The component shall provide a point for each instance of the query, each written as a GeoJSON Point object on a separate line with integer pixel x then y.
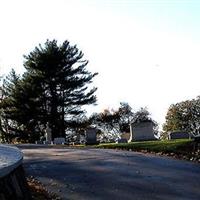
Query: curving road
{"type": "Point", "coordinates": [100, 174]}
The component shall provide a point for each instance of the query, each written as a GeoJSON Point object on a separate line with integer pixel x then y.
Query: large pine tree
{"type": "Point", "coordinates": [62, 74]}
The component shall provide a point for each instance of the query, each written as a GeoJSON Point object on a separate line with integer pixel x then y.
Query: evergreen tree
{"type": "Point", "coordinates": [20, 107]}
{"type": "Point", "coordinates": [7, 101]}
{"type": "Point", "coordinates": [62, 75]}
{"type": "Point", "coordinates": [53, 89]}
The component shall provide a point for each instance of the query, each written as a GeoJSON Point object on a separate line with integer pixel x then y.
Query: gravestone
{"type": "Point", "coordinates": [59, 140]}
{"type": "Point", "coordinates": [91, 136]}
{"type": "Point", "coordinates": [125, 136]}
{"type": "Point", "coordinates": [178, 135]}
{"type": "Point", "coordinates": [141, 131]}
{"type": "Point", "coordinates": [121, 140]}
{"type": "Point", "coordinates": [39, 142]}
{"type": "Point", "coordinates": [48, 135]}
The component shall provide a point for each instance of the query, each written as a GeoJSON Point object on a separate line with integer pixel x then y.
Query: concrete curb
{"type": "Point", "coordinates": [10, 159]}
{"type": "Point", "coordinates": [13, 185]}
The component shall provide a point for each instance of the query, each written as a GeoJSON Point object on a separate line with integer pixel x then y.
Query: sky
{"type": "Point", "coordinates": [145, 51]}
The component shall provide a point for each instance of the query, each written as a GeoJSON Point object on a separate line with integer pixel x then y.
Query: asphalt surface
{"type": "Point", "coordinates": [101, 174]}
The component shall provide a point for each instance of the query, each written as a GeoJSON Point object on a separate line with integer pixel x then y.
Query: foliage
{"type": "Point", "coordinates": [21, 107]}
{"type": "Point", "coordinates": [53, 89]}
{"type": "Point", "coordinates": [184, 116]}
{"type": "Point", "coordinates": [75, 131]}
{"type": "Point", "coordinates": [142, 115]}
{"type": "Point", "coordinates": [126, 115]}
{"type": "Point", "coordinates": [115, 122]}
{"type": "Point", "coordinates": [107, 122]}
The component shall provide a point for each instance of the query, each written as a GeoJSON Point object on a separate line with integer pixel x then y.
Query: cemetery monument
{"type": "Point", "coordinates": [178, 135]}
{"type": "Point", "coordinates": [91, 136]}
{"type": "Point", "coordinates": [48, 134]}
{"type": "Point", "coordinates": [141, 131]}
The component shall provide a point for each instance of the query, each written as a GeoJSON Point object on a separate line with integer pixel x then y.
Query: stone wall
{"type": "Point", "coordinates": [13, 185]}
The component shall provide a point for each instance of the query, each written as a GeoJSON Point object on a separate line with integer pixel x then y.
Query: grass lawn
{"type": "Point", "coordinates": [183, 148]}
{"type": "Point", "coordinates": [155, 146]}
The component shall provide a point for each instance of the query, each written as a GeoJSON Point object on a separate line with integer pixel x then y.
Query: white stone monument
{"type": "Point", "coordinates": [141, 131]}
{"type": "Point", "coordinates": [48, 134]}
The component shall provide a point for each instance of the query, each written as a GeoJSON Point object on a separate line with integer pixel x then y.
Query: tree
{"type": "Point", "coordinates": [107, 122]}
{"type": "Point", "coordinates": [76, 129]}
{"type": "Point", "coordinates": [126, 115]}
{"type": "Point", "coordinates": [142, 115]}
{"type": "Point", "coordinates": [184, 116]}
{"type": "Point", "coordinates": [113, 123]}
{"type": "Point", "coordinates": [173, 119]}
{"type": "Point", "coordinates": [53, 89]}
{"type": "Point", "coordinates": [20, 107]}
{"type": "Point", "coordinates": [7, 91]}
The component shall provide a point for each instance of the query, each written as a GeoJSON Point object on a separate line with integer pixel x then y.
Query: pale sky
{"type": "Point", "coordinates": [145, 51]}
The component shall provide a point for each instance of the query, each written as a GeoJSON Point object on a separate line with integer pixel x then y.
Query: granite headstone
{"type": "Point", "coordinates": [141, 131]}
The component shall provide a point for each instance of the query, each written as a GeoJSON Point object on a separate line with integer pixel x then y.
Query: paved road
{"type": "Point", "coordinates": [99, 174]}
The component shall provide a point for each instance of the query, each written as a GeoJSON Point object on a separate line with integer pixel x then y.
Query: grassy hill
{"type": "Point", "coordinates": [177, 148]}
